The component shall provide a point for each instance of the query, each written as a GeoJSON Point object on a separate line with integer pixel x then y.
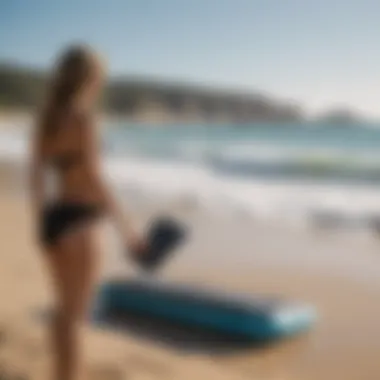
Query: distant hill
{"type": "Point", "coordinates": [144, 99]}
{"type": "Point", "coordinates": [342, 116]}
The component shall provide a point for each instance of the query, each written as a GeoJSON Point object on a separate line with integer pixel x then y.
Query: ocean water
{"type": "Point", "coordinates": [286, 172]}
{"type": "Point", "coordinates": [274, 171]}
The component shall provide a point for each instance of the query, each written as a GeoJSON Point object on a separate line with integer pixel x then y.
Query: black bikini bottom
{"type": "Point", "coordinates": [60, 217]}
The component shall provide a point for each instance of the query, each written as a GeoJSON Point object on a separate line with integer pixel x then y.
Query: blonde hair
{"type": "Point", "coordinates": [77, 66]}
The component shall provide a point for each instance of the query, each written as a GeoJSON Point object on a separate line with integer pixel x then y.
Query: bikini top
{"type": "Point", "coordinates": [69, 159]}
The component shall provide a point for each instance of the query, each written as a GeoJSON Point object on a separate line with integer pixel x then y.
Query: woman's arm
{"type": "Point", "coordinates": [92, 170]}
{"type": "Point", "coordinates": [36, 178]}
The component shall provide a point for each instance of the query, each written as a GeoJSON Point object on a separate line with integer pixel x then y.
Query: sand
{"type": "Point", "coordinates": [335, 271]}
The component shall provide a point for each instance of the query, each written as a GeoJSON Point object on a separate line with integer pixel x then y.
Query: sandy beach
{"type": "Point", "coordinates": [335, 271]}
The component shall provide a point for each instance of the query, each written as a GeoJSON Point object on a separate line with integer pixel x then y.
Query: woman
{"type": "Point", "coordinates": [67, 225]}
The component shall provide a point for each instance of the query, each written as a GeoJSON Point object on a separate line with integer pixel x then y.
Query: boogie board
{"type": "Point", "coordinates": [252, 317]}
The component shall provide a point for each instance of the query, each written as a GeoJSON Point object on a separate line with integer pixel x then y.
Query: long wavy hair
{"type": "Point", "coordinates": [76, 67]}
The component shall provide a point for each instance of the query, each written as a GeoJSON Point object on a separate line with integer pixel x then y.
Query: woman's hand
{"type": "Point", "coordinates": [136, 244]}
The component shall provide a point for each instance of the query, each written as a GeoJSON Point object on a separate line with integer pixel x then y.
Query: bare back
{"type": "Point", "coordinates": [66, 152]}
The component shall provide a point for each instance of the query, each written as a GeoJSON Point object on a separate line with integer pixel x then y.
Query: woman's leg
{"type": "Point", "coordinates": [73, 264]}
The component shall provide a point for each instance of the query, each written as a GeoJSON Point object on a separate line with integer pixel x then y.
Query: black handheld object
{"type": "Point", "coordinates": [162, 237]}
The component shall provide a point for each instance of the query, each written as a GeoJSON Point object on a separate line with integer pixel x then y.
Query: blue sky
{"type": "Point", "coordinates": [321, 53]}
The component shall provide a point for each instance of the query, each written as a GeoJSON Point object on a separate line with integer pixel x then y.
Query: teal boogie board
{"type": "Point", "coordinates": [252, 317]}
